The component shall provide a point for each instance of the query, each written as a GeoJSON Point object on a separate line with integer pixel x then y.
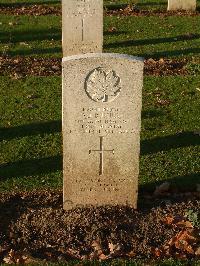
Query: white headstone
{"type": "Point", "coordinates": [102, 99]}
{"type": "Point", "coordinates": [82, 26]}
{"type": "Point", "coordinates": [189, 5]}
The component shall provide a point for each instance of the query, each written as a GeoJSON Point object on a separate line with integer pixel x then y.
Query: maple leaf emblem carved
{"type": "Point", "coordinates": [102, 85]}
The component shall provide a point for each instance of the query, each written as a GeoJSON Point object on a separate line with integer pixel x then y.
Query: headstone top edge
{"type": "Point", "coordinates": [102, 55]}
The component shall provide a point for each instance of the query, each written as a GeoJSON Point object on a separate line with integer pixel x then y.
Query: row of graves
{"type": "Point", "coordinates": [102, 100]}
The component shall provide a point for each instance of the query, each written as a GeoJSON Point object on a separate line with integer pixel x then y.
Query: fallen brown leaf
{"type": "Point", "coordinates": [182, 241]}
{"type": "Point", "coordinates": [185, 224]}
{"type": "Point", "coordinates": [14, 257]}
{"type": "Point", "coordinates": [98, 252]}
{"type": "Point", "coordinates": [131, 254]}
{"type": "Point", "coordinates": [168, 220]}
{"type": "Point", "coordinates": [197, 252]}
{"type": "Point", "coordinates": [156, 252]}
{"type": "Point", "coordinates": [112, 29]}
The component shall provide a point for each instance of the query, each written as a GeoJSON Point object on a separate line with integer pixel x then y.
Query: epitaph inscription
{"type": "Point", "coordinates": [101, 132]}
{"type": "Point", "coordinates": [82, 26]}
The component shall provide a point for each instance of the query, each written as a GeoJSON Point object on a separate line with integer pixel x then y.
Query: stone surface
{"type": "Point", "coordinates": [182, 4]}
{"type": "Point", "coordinates": [102, 98]}
{"type": "Point", "coordinates": [82, 26]}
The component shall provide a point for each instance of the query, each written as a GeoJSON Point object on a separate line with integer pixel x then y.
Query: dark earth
{"type": "Point", "coordinates": [18, 67]}
{"type": "Point", "coordinates": [33, 226]}
{"type": "Point", "coordinates": [112, 10]}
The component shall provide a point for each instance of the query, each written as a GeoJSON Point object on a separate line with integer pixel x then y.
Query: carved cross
{"type": "Point", "coordinates": [101, 152]}
{"type": "Point", "coordinates": [82, 34]}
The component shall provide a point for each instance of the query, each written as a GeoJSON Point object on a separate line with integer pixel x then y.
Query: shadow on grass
{"type": "Point", "coordinates": [36, 51]}
{"type": "Point", "coordinates": [30, 130]}
{"type": "Point", "coordinates": [184, 183]}
{"type": "Point", "coordinates": [115, 6]}
{"type": "Point", "coordinates": [23, 3]}
{"type": "Point", "coordinates": [152, 41]}
{"type": "Point", "coordinates": [31, 35]}
{"type": "Point", "coordinates": [184, 52]}
{"type": "Point", "coordinates": [31, 167]}
{"type": "Point", "coordinates": [52, 164]}
{"type": "Point", "coordinates": [153, 4]}
{"type": "Point", "coordinates": [184, 139]}
{"type": "Point", "coordinates": [114, 33]}
{"type": "Point", "coordinates": [152, 113]}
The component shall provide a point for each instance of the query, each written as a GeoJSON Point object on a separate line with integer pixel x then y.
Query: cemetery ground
{"type": "Point", "coordinates": [33, 226]}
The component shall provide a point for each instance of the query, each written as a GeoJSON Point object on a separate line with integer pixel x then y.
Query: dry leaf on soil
{"type": "Point", "coordinates": [197, 252]}
{"type": "Point", "coordinates": [168, 220]}
{"type": "Point", "coordinates": [185, 224]}
{"type": "Point", "coordinates": [182, 241]}
{"type": "Point", "coordinates": [98, 252]}
{"type": "Point", "coordinates": [14, 257]}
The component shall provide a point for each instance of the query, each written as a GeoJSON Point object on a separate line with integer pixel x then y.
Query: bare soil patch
{"type": "Point", "coordinates": [134, 11]}
{"type": "Point", "coordinates": [124, 10]}
{"type": "Point", "coordinates": [34, 226]}
{"type": "Point", "coordinates": [18, 67]}
{"type": "Point", "coordinates": [34, 10]}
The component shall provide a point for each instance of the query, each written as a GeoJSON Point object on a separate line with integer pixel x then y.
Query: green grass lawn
{"type": "Point", "coordinates": [31, 149]}
{"type": "Point", "coordinates": [121, 262]}
{"type": "Point", "coordinates": [141, 36]}
{"type": "Point", "coordinates": [29, 2]}
{"type": "Point", "coordinates": [30, 109]}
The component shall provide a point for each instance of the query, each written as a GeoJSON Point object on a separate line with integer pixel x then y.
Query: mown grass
{"type": "Point", "coordinates": [141, 36]}
{"type": "Point", "coordinates": [14, 3]}
{"type": "Point", "coordinates": [31, 144]}
{"type": "Point", "coordinates": [121, 262]}
{"type": "Point", "coordinates": [29, 35]}
{"type": "Point", "coordinates": [153, 36]}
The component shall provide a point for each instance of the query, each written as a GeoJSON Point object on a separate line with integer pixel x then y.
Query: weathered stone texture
{"type": "Point", "coordinates": [102, 98]}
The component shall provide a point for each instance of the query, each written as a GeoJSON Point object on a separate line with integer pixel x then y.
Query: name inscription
{"type": "Point", "coordinates": [103, 120]}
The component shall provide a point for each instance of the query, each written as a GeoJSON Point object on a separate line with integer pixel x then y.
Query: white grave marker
{"type": "Point", "coordinates": [82, 26]}
{"type": "Point", "coordinates": [189, 5]}
{"type": "Point", "coordinates": [102, 99]}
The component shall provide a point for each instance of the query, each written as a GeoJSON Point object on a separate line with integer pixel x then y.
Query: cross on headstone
{"type": "Point", "coordinates": [82, 29]}
{"type": "Point", "coordinates": [82, 25]}
{"type": "Point", "coordinates": [101, 152]}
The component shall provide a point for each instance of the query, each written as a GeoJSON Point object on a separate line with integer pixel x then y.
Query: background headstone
{"type": "Point", "coordinates": [82, 26]}
{"type": "Point", "coordinates": [182, 4]}
{"type": "Point", "coordinates": [102, 98]}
